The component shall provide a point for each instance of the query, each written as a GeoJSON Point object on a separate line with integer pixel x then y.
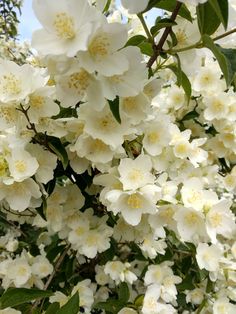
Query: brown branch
{"type": "Point", "coordinates": [56, 268]}
{"type": "Point", "coordinates": [158, 48]}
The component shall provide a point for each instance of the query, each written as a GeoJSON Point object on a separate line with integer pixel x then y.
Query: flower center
{"type": "Point", "coordinates": [64, 26]}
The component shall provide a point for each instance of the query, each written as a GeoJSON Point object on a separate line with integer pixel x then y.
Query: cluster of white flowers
{"type": "Point", "coordinates": [122, 170]}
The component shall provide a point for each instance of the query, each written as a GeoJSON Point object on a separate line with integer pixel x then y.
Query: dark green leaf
{"type": "Point", "coordinates": [208, 20]}
{"type": "Point", "coordinates": [58, 148]}
{"type": "Point", "coordinates": [114, 106]}
{"type": "Point", "coordinates": [169, 5]}
{"type": "Point", "coordinates": [146, 48]}
{"type": "Point", "coordinates": [16, 296]}
{"type": "Point", "coordinates": [182, 79]}
{"type": "Point", "coordinates": [72, 306]}
{"type": "Point", "coordinates": [162, 23]}
{"type": "Point", "coordinates": [190, 115]}
{"type": "Point", "coordinates": [53, 308]}
{"type": "Point", "coordinates": [223, 57]}
{"type": "Point", "coordinates": [107, 6]}
{"type": "Point", "coordinates": [136, 40]}
{"type": "Point", "coordinates": [113, 306]}
{"type": "Point", "coordinates": [221, 8]}
{"type": "Point", "coordinates": [123, 293]}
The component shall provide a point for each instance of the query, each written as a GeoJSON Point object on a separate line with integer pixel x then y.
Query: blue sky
{"type": "Point", "coordinates": [29, 23]}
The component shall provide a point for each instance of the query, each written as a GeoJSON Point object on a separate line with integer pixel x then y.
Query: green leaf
{"type": "Point", "coordinates": [113, 306]}
{"type": "Point", "coordinates": [53, 308]}
{"type": "Point", "coordinates": [72, 306]}
{"type": "Point", "coordinates": [162, 23]}
{"type": "Point", "coordinates": [123, 293]}
{"type": "Point", "coordinates": [146, 48]}
{"type": "Point", "coordinates": [225, 58]}
{"type": "Point", "coordinates": [114, 106]}
{"type": "Point", "coordinates": [221, 8]}
{"type": "Point", "coordinates": [182, 80]}
{"type": "Point", "coordinates": [58, 148]}
{"type": "Point", "coordinates": [169, 5]}
{"type": "Point", "coordinates": [208, 20]}
{"type": "Point", "coordinates": [136, 40]}
{"type": "Point", "coordinates": [107, 6]}
{"type": "Point", "coordinates": [190, 115]}
{"type": "Point", "coordinates": [16, 296]}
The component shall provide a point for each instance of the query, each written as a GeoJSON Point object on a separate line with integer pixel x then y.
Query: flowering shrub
{"type": "Point", "coordinates": [117, 161]}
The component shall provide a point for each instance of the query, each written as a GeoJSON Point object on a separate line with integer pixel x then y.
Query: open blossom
{"type": "Point", "coordinates": [67, 26]}
{"type": "Point", "coordinates": [102, 55]}
{"type": "Point", "coordinates": [17, 82]}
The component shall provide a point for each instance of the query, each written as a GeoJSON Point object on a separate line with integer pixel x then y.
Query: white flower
{"type": "Point", "coordinates": [135, 173]}
{"type": "Point", "coordinates": [220, 220]}
{"type": "Point", "coordinates": [41, 104]}
{"type": "Point", "coordinates": [208, 257]}
{"type": "Point", "coordinates": [17, 82]}
{"type": "Point", "coordinates": [46, 160]}
{"type": "Point", "coordinates": [127, 310]}
{"type": "Point", "coordinates": [9, 311]}
{"type": "Point", "coordinates": [75, 85]}
{"type": "Point", "coordinates": [86, 296]}
{"type": "Point", "coordinates": [156, 135]}
{"type": "Point", "coordinates": [217, 107]}
{"type": "Point", "coordinates": [94, 150]}
{"type": "Point", "coordinates": [190, 224]}
{"type": "Point", "coordinates": [19, 271]}
{"type": "Point", "coordinates": [21, 165]}
{"type": "Point", "coordinates": [195, 296]}
{"type": "Point", "coordinates": [67, 26]}
{"type": "Point", "coordinates": [19, 194]}
{"type": "Point", "coordinates": [133, 204]}
{"type": "Point", "coordinates": [103, 125]}
{"type": "Point", "coordinates": [120, 272]}
{"type": "Point", "coordinates": [134, 6]}
{"type": "Point", "coordinates": [102, 55]}
{"type": "Point", "coordinates": [223, 306]}
{"type": "Point", "coordinates": [41, 267]}
{"type": "Point", "coordinates": [131, 82]}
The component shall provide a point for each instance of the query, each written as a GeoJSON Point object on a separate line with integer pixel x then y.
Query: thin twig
{"type": "Point", "coordinates": [56, 268]}
{"type": "Point", "coordinates": [158, 48]}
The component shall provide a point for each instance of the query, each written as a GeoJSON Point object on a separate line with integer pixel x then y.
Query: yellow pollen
{"type": "Point", "coordinates": [153, 137]}
{"type": "Point", "coordinates": [99, 146]}
{"type": "Point", "coordinates": [22, 271]}
{"type": "Point", "coordinates": [135, 175]}
{"type": "Point", "coordinates": [91, 240]}
{"type": "Point", "coordinates": [181, 37]}
{"type": "Point", "coordinates": [107, 122]}
{"type": "Point", "coordinates": [134, 201]}
{"type": "Point", "coordinates": [216, 219]}
{"type": "Point", "coordinates": [64, 26]}
{"type": "Point", "coordinates": [37, 101]}
{"type": "Point", "coordinates": [3, 166]}
{"type": "Point", "coordinates": [10, 85]}
{"type": "Point", "coordinates": [129, 104]}
{"type": "Point", "coordinates": [191, 218]}
{"type": "Point", "coordinates": [20, 165]}
{"type": "Point", "coordinates": [80, 231]}
{"type": "Point", "coordinates": [181, 148]}
{"type": "Point", "coordinates": [116, 79]}
{"type": "Point", "coordinates": [194, 196]}
{"type": "Point", "coordinates": [218, 106]}
{"type": "Point", "coordinates": [9, 114]}
{"type": "Point", "coordinates": [99, 47]}
{"type": "Point", "coordinates": [79, 81]}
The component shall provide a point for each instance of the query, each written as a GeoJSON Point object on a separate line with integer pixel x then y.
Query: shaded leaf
{"type": "Point", "coordinates": [114, 106]}
{"type": "Point", "coordinates": [72, 306]}
{"type": "Point", "coordinates": [208, 20]}
{"type": "Point", "coordinates": [16, 296]}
